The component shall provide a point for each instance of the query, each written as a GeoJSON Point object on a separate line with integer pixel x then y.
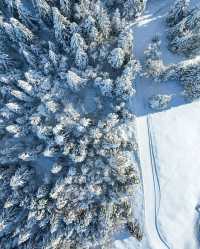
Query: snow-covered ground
{"type": "Point", "coordinates": [148, 25]}
{"type": "Point", "coordinates": [151, 185]}
{"type": "Point", "coordinates": [169, 143]}
{"type": "Point", "coordinates": [176, 142]}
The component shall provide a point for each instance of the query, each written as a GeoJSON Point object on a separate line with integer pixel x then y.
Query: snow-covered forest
{"type": "Point", "coordinates": [67, 134]}
{"type": "Point", "coordinates": [69, 154]}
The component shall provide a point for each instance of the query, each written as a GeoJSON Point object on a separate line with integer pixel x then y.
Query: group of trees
{"type": "Point", "coordinates": [53, 55]}
{"type": "Point", "coordinates": [184, 37]}
{"type": "Point", "coordinates": [188, 74]}
{"type": "Point", "coordinates": [184, 28]}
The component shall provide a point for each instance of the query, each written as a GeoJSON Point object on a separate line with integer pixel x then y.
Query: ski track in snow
{"type": "Point", "coordinates": [152, 192]}
{"type": "Point", "coordinates": [157, 188]}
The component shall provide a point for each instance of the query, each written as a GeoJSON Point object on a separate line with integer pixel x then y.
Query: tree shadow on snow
{"type": "Point", "coordinates": [145, 89]}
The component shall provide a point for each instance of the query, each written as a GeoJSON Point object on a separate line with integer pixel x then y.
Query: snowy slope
{"type": "Point", "coordinates": [176, 141]}
{"type": "Point", "coordinates": [151, 185]}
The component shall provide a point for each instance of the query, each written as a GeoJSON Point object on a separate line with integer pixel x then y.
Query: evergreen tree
{"type": "Point", "coordinates": [81, 59]}
{"type": "Point", "coordinates": [116, 58]}
{"type": "Point", "coordinates": [66, 6]}
{"type": "Point", "coordinates": [44, 11]}
{"type": "Point", "coordinates": [154, 65]}
{"type": "Point", "coordinates": [59, 23]}
{"type": "Point", "coordinates": [133, 8]}
{"type": "Point", "coordinates": [178, 11]}
{"type": "Point", "coordinates": [25, 15]}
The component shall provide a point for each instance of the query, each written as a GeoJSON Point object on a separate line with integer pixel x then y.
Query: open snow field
{"type": "Point", "coordinates": [169, 143]}
{"type": "Point", "coordinates": [176, 143]}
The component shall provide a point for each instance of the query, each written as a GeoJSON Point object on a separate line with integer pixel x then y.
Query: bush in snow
{"type": "Point", "coordinates": [160, 102]}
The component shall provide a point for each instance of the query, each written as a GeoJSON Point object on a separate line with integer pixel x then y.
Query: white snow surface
{"type": "Point", "coordinates": [169, 145]}
{"type": "Point", "coordinates": [176, 143]}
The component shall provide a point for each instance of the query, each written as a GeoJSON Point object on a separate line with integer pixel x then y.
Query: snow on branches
{"type": "Point", "coordinates": [184, 31]}
{"type": "Point", "coordinates": [154, 66]}
{"type": "Point", "coordinates": [160, 102]}
{"type": "Point", "coordinates": [178, 11]}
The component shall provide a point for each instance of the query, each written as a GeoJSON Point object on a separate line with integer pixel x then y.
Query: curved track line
{"type": "Point", "coordinates": [157, 188]}
{"type": "Point", "coordinates": [151, 184]}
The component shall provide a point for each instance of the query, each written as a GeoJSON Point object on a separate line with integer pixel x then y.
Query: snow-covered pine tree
{"type": "Point", "coordinates": [118, 24]}
{"type": "Point", "coordinates": [26, 15]}
{"type": "Point", "coordinates": [133, 8]}
{"type": "Point", "coordinates": [124, 85]}
{"type": "Point", "coordinates": [81, 59]}
{"type": "Point", "coordinates": [178, 11]}
{"type": "Point", "coordinates": [184, 33]}
{"type": "Point", "coordinates": [125, 42]}
{"type": "Point", "coordinates": [103, 20]}
{"type": "Point", "coordinates": [59, 24]}
{"type": "Point", "coordinates": [44, 11]}
{"type": "Point", "coordinates": [154, 66]}
{"type": "Point", "coordinates": [116, 58]}
{"type": "Point", "coordinates": [65, 6]}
